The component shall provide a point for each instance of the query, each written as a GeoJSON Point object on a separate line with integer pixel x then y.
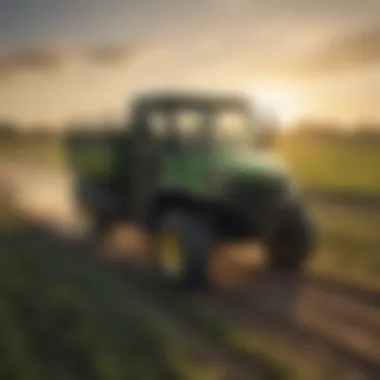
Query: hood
{"type": "Point", "coordinates": [253, 165]}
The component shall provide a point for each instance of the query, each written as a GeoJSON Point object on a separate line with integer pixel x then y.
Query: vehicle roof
{"type": "Point", "coordinates": [174, 100]}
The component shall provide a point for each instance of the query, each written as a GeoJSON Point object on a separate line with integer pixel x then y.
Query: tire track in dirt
{"type": "Point", "coordinates": [228, 366]}
{"type": "Point", "coordinates": [349, 318]}
{"type": "Point", "coordinates": [335, 333]}
{"type": "Point", "coordinates": [327, 285]}
{"type": "Point", "coordinates": [355, 312]}
{"type": "Point", "coordinates": [310, 323]}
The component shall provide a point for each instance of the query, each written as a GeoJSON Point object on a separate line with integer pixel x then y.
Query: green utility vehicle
{"type": "Point", "coordinates": [194, 170]}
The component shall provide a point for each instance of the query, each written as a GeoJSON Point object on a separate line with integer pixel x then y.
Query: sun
{"type": "Point", "coordinates": [279, 100]}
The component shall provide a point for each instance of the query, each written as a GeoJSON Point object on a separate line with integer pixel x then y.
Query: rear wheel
{"type": "Point", "coordinates": [293, 241]}
{"type": "Point", "coordinates": [183, 246]}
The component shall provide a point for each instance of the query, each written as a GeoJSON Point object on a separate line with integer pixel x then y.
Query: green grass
{"type": "Point", "coordinates": [347, 166]}
{"type": "Point", "coordinates": [63, 318]}
{"type": "Point", "coordinates": [349, 246]}
{"type": "Point", "coordinates": [40, 152]}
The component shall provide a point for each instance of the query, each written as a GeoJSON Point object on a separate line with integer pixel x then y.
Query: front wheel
{"type": "Point", "coordinates": [293, 240]}
{"type": "Point", "coordinates": [183, 246]}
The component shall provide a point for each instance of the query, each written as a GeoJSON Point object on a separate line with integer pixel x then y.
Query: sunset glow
{"type": "Point", "coordinates": [58, 61]}
{"type": "Point", "coordinates": [280, 100]}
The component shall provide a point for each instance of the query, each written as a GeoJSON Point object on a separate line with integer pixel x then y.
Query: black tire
{"type": "Point", "coordinates": [293, 240]}
{"type": "Point", "coordinates": [196, 240]}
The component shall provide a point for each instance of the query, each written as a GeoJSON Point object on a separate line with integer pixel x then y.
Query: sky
{"type": "Point", "coordinates": [85, 59]}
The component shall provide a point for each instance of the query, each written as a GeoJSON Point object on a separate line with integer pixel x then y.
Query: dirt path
{"type": "Point", "coordinates": [219, 359]}
{"type": "Point", "coordinates": [331, 328]}
{"type": "Point", "coordinates": [337, 335]}
{"type": "Point", "coordinates": [334, 334]}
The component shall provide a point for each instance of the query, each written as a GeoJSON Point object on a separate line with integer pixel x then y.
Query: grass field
{"type": "Point", "coordinates": [33, 151]}
{"type": "Point", "coordinates": [63, 318]}
{"type": "Point", "coordinates": [349, 246]}
{"type": "Point", "coordinates": [345, 166]}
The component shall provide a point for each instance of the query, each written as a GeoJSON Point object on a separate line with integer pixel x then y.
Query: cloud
{"type": "Point", "coordinates": [352, 50]}
{"type": "Point", "coordinates": [25, 60]}
{"type": "Point", "coordinates": [41, 59]}
{"type": "Point", "coordinates": [110, 54]}
{"type": "Point", "coordinates": [356, 50]}
{"type": "Point", "coordinates": [48, 59]}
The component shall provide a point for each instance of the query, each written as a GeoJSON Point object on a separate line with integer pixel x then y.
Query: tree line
{"type": "Point", "coordinates": [304, 129]}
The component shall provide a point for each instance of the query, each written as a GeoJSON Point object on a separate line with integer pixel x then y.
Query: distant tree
{"type": "Point", "coordinates": [367, 132]}
{"type": "Point", "coordinates": [318, 130]}
{"type": "Point", "coordinates": [8, 129]}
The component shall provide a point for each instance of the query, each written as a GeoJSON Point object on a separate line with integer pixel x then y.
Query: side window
{"type": "Point", "coordinates": [157, 123]}
{"type": "Point", "coordinates": [189, 123]}
{"type": "Point", "coordinates": [231, 127]}
{"type": "Point", "coordinates": [184, 127]}
{"type": "Point", "coordinates": [183, 123]}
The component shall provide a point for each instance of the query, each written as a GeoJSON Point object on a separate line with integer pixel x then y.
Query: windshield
{"type": "Point", "coordinates": [233, 128]}
{"type": "Point", "coordinates": [227, 127]}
